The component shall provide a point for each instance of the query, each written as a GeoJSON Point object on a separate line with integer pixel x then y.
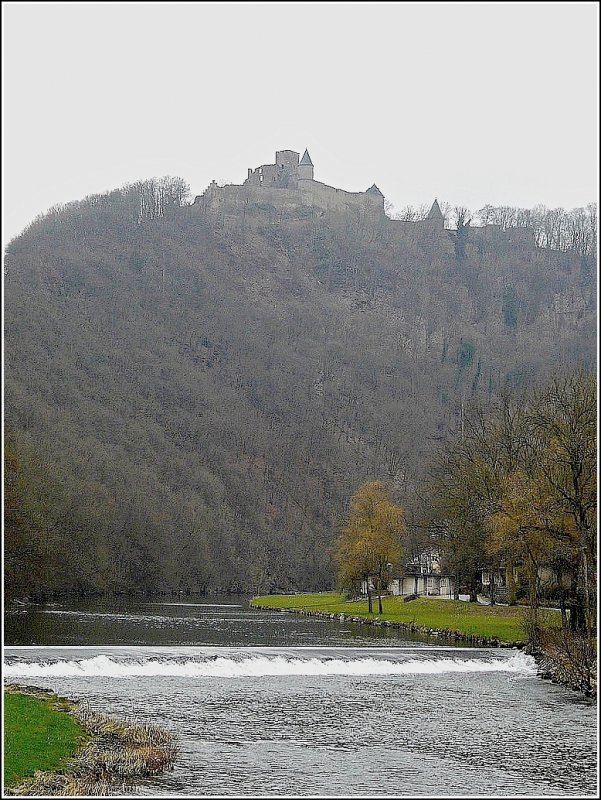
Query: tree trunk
{"type": "Point", "coordinates": [562, 599]}
{"type": "Point", "coordinates": [577, 614]}
{"type": "Point", "coordinates": [380, 592]}
{"type": "Point", "coordinates": [534, 597]}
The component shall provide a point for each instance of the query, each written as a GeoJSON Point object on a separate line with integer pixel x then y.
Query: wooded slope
{"type": "Point", "coordinates": [191, 400]}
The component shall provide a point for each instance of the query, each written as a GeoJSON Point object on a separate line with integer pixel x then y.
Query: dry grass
{"type": "Point", "coordinates": [116, 755]}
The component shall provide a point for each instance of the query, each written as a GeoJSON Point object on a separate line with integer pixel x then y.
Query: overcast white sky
{"type": "Point", "coordinates": [470, 103]}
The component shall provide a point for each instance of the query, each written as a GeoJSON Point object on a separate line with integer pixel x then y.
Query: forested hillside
{"type": "Point", "coordinates": [192, 399]}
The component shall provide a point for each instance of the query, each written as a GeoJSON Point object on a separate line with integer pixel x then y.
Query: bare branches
{"type": "Point", "coordinates": [520, 485]}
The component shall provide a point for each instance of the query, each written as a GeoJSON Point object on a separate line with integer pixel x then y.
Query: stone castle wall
{"type": "Point", "coordinates": [309, 195]}
{"type": "Point", "coordinates": [331, 199]}
{"type": "Point", "coordinates": [233, 197]}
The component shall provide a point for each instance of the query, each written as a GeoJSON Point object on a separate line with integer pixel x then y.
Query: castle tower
{"type": "Point", "coordinates": [375, 196]}
{"type": "Point", "coordinates": [305, 167]}
{"type": "Point", "coordinates": [286, 159]}
{"type": "Point", "coordinates": [373, 190]}
{"type": "Point", "coordinates": [435, 215]}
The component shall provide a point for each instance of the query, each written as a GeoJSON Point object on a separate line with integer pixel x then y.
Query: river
{"type": "Point", "coordinates": [270, 703]}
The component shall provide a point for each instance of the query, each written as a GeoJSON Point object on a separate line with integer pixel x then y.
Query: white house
{"type": "Point", "coordinates": [423, 575]}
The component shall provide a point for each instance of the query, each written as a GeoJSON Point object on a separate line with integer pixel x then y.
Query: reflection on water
{"type": "Point", "coordinates": [228, 621]}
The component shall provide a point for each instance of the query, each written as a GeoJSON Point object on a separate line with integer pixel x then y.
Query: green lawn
{"type": "Point", "coordinates": [36, 735]}
{"type": "Point", "coordinates": [498, 622]}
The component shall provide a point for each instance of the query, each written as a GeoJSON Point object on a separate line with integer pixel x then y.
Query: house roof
{"type": "Point", "coordinates": [306, 159]}
{"type": "Point", "coordinates": [374, 190]}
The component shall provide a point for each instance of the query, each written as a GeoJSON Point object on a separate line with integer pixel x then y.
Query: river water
{"type": "Point", "coordinates": [270, 703]}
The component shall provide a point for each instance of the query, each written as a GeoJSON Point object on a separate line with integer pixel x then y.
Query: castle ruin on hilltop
{"type": "Point", "coordinates": [288, 190]}
{"type": "Point", "coordinates": [289, 185]}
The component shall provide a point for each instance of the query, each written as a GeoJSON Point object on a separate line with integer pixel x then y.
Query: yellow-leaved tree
{"type": "Point", "coordinates": [370, 543]}
{"type": "Point", "coordinates": [518, 531]}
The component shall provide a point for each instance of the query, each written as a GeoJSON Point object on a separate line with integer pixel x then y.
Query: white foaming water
{"type": "Point", "coordinates": [263, 666]}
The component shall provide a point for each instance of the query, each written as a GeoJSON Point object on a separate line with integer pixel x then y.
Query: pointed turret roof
{"type": "Point", "coordinates": [374, 190]}
{"type": "Point", "coordinates": [306, 159]}
{"type": "Point", "coordinates": [435, 212]}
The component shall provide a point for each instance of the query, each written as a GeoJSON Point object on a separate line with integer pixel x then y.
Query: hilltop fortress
{"type": "Point", "coordinates": [289, 185]}
{"type": "Point", "coordinates": [288, 190]}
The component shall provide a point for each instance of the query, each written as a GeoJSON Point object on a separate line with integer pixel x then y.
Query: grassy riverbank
{"type": "Point", "coordinates": [504, 623]}
{"type": "Point", "coordinates": [53, 747]}
{"type": "Point", "coordinates": [38, 735]}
